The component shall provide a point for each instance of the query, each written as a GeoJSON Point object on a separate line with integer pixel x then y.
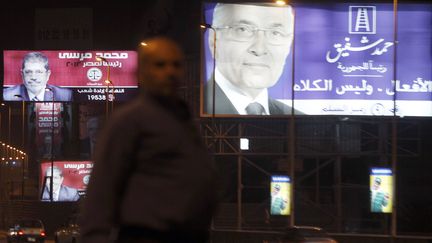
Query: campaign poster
{"type": "Point", "coordinates": [315, 59]}
{"type": "Point", "coordinates": [69, 75]}
{"type": "Point", "coordinates": [70, 180]}
{"type": "Point", "coordinates": [280, 194]}
{"type": "Point", "coordinates": [381, 190]}
{"type": "Point", "coordinates": [247, 53]}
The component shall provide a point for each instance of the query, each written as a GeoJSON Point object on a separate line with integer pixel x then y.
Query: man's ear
{"type": "Point", "coordinates": [211, 40]}
{"type": "Point", "coordinates": [49, 74]}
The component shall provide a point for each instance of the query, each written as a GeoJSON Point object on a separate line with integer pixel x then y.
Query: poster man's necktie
{"type": "Point", "coordinates": [255, 108]}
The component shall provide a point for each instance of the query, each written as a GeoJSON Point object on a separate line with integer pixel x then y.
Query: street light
{"type": "Point", "coordinates": [9, 122]}
{"type": "Point", "coordinates": [22, 141]}
{"type": "Point", "coordinates": [107, 81]}
{"type": "Point", "coordinates": [52, 145]}
{"type": "Point", "coordinates": [110, 82]}
{"type": "Point", "coordinates": [280, 2]}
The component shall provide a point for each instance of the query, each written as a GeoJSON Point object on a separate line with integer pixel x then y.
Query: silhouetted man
{"type": "Point", "coordinates": [153, 180]}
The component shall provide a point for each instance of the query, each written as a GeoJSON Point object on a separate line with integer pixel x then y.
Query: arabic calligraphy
{"type": "Point", "coordinates": [365, 87]}
{"type": "Point", "coordinates": [365, 67]}
{"type": "Point", "coordinates": [418, 85]}
{"type": "Point", "coordinates": [344, 51]}
{"type": "Point", "coordinates": [103, 63]}
{"type": "Point", "coordinates": [100, 91]}
{"type": "Point", "coordinates": [88, 55]}
{"type": "Point", "coordinates": [316, 85]}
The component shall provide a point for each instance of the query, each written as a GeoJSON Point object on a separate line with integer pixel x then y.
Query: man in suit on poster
{"type": "Point", "coordinates": [35, 74]}
{"type": "Point", "coordinates": [61, 192]}
{"type": "Point", "coordinates": [252, 45]}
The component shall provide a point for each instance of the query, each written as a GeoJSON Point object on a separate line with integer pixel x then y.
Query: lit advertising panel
{"type": "Point", "coordinates": [381, 190]}
{"type": "Point", "coordinates": [280, 192]}
{"type": "Point", "coordinates": [69, 75]}
{"type": "Point", "coordinates": [70, 179]}
{"type": "Point", "coordinates": [344, 60]}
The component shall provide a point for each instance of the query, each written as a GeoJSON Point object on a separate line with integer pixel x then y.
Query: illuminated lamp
{"type": "Point", "coordinates": [244, 144]}
{"type": "Point", "coordinates": [280, 2]}
{"type": "Point", "coordinates": [143, 43]}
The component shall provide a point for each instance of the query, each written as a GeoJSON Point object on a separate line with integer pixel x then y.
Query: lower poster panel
{"type": "Point", "coordinates": [70, 180]}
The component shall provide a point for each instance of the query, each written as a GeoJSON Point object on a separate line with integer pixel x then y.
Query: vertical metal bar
{"type": "Point", "coordinates": [291, 132]}
{"type": "Point", "coordinates": [22, 147]}
{"type": "Point", "coordinates": [239, 185]}
{"type": "Point", "coordinates": [106, 103]}
{"type": "Point", "coordinates": [337, 177]}
{"type": "Point", "coordinates": [112, 97]}
{"type": "Point", "coordinates": [1, 131]}
{"type": "Point", "coordinates": [9, 125]}
{"type": "Point", "coordinates": [52, 152]}
{"type": "Point", "coordinates": [214, 74]}
{"type": "Point", "coordinates": [394, 124]}
{"type": "Point", "coordinates": [317, 181]}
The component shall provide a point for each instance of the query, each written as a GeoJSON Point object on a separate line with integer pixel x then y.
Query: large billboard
{"type": "Point", "coordinates": [315, 59]}
{"type": "Point", "coordinates": [381, 190]}
{"type": "Point", "coordinates": [70, 180]}
{"type": "Point", "coordinates": [280, 195]}
{"type": "Point", "coordinates": [69, 75]}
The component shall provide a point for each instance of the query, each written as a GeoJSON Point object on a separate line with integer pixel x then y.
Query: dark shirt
{"type": "Point", "coordinates": [151, 172]}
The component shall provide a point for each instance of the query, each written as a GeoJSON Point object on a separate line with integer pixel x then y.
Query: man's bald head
{"type": "Point", "coordinates": [160, 66]}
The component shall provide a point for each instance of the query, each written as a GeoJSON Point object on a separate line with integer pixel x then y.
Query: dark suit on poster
{"type": "Point", "coordinates": [224, 106]}
{"type": "Point", "coordinates": [66, 194]}
{"type": "Point", "coordinates": [60, 94]}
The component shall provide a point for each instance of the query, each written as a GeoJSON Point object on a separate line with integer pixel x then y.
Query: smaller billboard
{"type": "Point", "coordinates": [70, 180]}
{"type": "Point", "coordinates": [381, 190]}
{"type": "Point", "coordinates": [69, 75]}
{"type": "Point", "coordinates": [280, 192]}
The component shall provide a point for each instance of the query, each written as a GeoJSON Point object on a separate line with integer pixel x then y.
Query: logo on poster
{"type": "Point", "coordinates": [86, 179]}
{"type": "Point", "coordinates": [94, 74]}
{"type": "Point", "coordinates": [362, 20]}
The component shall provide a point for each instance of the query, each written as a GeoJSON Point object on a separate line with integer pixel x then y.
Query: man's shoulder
{"type": "Point", "coordinates": [60, 94]}
{"type": "Point", "coordinates": [69, 190]}
{"type": "Point", "coordinates": [277, 107]}
{"type": "Point", "coordinates": [9, 93]}
{"type": "Point", "coordinates": [55, 87]}
{"type": "Point", "coordinates": [60, 90]}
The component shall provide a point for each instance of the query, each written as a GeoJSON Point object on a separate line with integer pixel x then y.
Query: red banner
{"type": "Point", "coordinates": [84, 72]}
{"type": "Point", "coordinates": [76, 174]}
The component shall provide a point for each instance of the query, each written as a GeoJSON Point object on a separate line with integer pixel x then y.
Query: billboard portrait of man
{"type": "Point", "coordinates": [60, 192]}
{"type": "Point", "coordinates": [35, 73]}
{"type": "Point", "coordinates": [252, 46]}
